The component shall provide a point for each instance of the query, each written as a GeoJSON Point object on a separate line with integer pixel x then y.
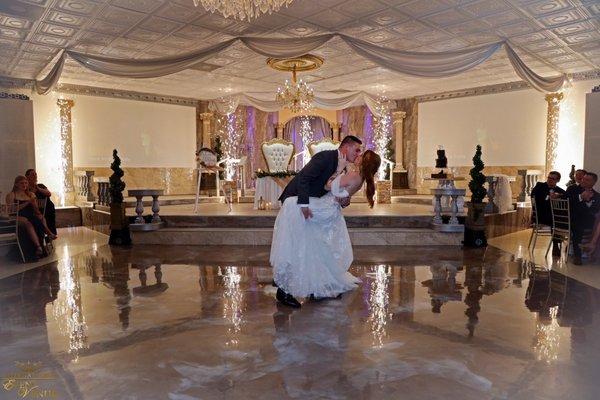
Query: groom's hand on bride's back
{"type": "Point", "coordinates": [344, 202]}
{"type": "Point", "coordinates": [306, 212]}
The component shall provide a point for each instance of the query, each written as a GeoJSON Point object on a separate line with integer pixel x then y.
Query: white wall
{"type": "Point", "coordinates": [145, 134]}
{"type": "Point", "coordinates": [510, 127]}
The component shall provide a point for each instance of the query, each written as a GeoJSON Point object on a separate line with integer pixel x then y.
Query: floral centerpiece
{"type": "Point", "coordinates": [259, 173]}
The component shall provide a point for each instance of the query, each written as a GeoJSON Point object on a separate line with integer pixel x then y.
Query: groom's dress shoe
{"type": "Point", "coordinates": [287, 299]}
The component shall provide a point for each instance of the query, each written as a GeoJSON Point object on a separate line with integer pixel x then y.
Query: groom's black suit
{"type": "Point", "coordinates": [311, 180]}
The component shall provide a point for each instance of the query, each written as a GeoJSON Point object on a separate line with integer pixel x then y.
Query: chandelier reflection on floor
{"type": "Point", "coordinates": [242, 9]}
{"type": "Point", "coordinates": [296, 95]}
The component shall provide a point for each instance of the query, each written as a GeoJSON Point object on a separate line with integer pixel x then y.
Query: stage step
{"type": "Point", "coordinates": [263, 236]}
{"type": "Point", "coordinates": [268, 221]}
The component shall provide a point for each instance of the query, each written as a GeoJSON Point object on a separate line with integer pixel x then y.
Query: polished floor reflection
{"type": "Point", "coordinates": [195, 323]}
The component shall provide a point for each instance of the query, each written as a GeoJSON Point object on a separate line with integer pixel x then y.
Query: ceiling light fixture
{"type": "Point", "coordinates": [242, 9]}
{"type": "Point", "coordinates": [297, 95]}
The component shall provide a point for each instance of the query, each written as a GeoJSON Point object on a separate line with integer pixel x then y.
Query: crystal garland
{"type": "Point", "coordinates": [295, 96]}
{"type": "Point", "coordinates": [382, 131]}
{"type": "Point", "coordinates": [242, 9]}
{"type": "Point", "coordinates": [307, 136]}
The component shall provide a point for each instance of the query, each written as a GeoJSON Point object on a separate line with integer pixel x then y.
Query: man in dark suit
{"type": "Point", "coordinates": [584, 203]}
{"type": "Point", "coordinates": [311, 181]}
{"type": "Point", "coordinates": [542, 193]}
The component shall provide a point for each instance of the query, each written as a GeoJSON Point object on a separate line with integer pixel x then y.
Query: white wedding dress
{"type": "Point", "coordinates": [312, 256]}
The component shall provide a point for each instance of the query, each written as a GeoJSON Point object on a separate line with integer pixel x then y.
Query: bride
{"type": "Point", "coordinates": [311, 257]}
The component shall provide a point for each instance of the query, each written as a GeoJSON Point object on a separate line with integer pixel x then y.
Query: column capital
{"type": "Point", "coordinates": [205, 116]}
{"type": "Point", "coordinates": [280, 125]}
{"type": "Point", "coordinates": [555, 97]}
{"type": "Point", "coordinates": [398, 116]}
{"type": "Point", "coordinates": [65, 103]}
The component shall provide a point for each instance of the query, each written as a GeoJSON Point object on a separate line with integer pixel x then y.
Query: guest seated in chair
{"type": "Point", "coordinates": [542, 193]}
{"type": "Point", "coordinates": [30, 217]}
{"type": "Point", "coordinates": [576, 188]}
{"type": "Point", "coordinates": [585, 204]}
{"type": "Point", "coordinates": [41, 192]}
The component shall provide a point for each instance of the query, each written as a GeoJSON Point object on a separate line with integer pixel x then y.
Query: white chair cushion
{"type": "Point", "coordinates": [278, 155]}
{"type": "Point", "coordinates": [208, 158]}
{"type": "Point", "coordinates": [322, 145]}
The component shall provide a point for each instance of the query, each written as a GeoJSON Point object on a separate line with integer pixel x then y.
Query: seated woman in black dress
{"type": "Point", "coordinates": [30, 217]}
{"type": "Point", "coordinates": [41, 192]}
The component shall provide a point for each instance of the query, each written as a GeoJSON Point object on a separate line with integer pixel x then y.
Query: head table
{"type": "Point", "coordinates": [269, 188]}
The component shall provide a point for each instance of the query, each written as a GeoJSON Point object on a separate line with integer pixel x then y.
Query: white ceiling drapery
{"type": "Point", "coordinates": [323, 100]}
{"type": "Point", "coordinates": [425, 64]}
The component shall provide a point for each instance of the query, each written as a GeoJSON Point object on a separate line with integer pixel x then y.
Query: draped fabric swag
{"type": "Point", "coordinates": [425, 64]}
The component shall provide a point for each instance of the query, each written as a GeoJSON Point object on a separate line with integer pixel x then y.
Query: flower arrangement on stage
{"type": "Point", "coordinates": [259, 173]}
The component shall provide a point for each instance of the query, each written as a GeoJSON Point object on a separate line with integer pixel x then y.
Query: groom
{"type": "Point", "coordinates": [311, 181]}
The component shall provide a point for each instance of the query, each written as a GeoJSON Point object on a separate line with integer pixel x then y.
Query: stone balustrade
{"type": "Point", "coordinates": [103, 190]}
{"type": "Point", "coordinates": [453, 225]}
{"type": "Point", "coordinates": [140, 224]}
{"type": "Point", "coordinates": [83, 186]}
{"type": "Point", "coordinates": [529, 178]}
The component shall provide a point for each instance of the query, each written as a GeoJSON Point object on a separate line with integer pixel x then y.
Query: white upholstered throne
{"type": "Point", "coordinates": [323, 144]}
{"type": "Point", "coordinates": [278, 154]}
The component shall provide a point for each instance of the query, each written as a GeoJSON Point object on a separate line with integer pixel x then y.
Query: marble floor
{"type": "Point", "coordinates": [182, 323]}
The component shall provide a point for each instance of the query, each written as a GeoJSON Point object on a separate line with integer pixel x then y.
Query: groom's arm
{"type": "Point", "coordinates": [310, 173]}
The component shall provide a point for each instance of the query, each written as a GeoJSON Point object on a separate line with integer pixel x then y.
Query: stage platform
{"type": "Point", "coordinates": [385, 224]}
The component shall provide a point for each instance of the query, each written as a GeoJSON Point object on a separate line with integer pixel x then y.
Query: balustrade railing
{"type": "Point", "coordinates": [83, 185]}
{"type": "Point", "coordinates": [103, 192]}
{"type": "Point", "coordinates": [529, 177]}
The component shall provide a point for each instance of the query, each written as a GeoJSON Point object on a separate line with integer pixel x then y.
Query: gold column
{"type": "Point", "coordinates": [280, 130]}
{"type": "Point", "coordinates": [398, 118]}
{"type": "Point", "coordinates": [553, 100]}
{"type": "Point", "coordinates": [66, 150]}
{"type": "Point", "coordinates": [337, 128]}
{"type": "Point", "coordinates": [206, 133]}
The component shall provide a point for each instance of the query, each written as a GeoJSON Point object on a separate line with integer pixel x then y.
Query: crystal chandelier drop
{"type": "Point", "coordinates": [242, 9]}
{"type": "Point", "coordinates": [296, 95]}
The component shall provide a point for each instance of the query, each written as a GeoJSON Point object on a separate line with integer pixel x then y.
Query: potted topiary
{"type": "Point", "coordinates": [119, 226]}
{"type": "Point", "coordinates": [475, 222]}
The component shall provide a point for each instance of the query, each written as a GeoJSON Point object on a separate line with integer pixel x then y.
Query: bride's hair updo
{"type": "Point", "coordinates": [368, 168]}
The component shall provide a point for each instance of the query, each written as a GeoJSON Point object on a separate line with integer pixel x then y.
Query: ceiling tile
{"type": "Point", "coordinates": [359, 8]}
{"type": "Point", "coordinates": [561, 18]}
{"type": "Point", "coordinates": [386, 18]}
{"type": "Point", "coordinates": [160, 24]}
{"type": "Point", "coordinates": [145, 6]}
{"type": "Point", "coordinates": [485, 7]}
{"type": "Point", "coordinates": [14, 22]}
{"type": "Point", "coordinates": [64, 18]}
{"type": "Point", "coordinates": [546, 7]}
{"type": "Point", "coordinates": [57, 30]}
{"type": "Point", "coordinates": [328, 19]}
{"type": "Point", "coordinates": [121, 16]}
{"type": "Point", "coordinates": [82, 7]}
{"type": "Point", "coordinates": [419, 8]}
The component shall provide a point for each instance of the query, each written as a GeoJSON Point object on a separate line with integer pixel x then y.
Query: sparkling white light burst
{"type": "Point", "coordinates": [231, 131]}
{"type": "Point", "coordinates": [382, 130]}
{"type": "Point", "coordinates": [378, 303]}
{"type": "Point", "coordinates": [307, 136]}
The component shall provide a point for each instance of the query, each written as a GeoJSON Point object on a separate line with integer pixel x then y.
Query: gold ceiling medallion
{"type": "Point", "coordinates": [307, 62]}
{"type": "Point", "coordinates": [296, 95]}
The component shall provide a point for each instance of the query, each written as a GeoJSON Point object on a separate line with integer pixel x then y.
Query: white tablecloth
{"type": "Point", "coordinates": [269, 189]}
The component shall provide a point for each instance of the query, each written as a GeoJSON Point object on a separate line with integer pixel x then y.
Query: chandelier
{"type": "Point", "coordinates": [296, 95]}
{"type": "Point", "coordinates": [242, 9]}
